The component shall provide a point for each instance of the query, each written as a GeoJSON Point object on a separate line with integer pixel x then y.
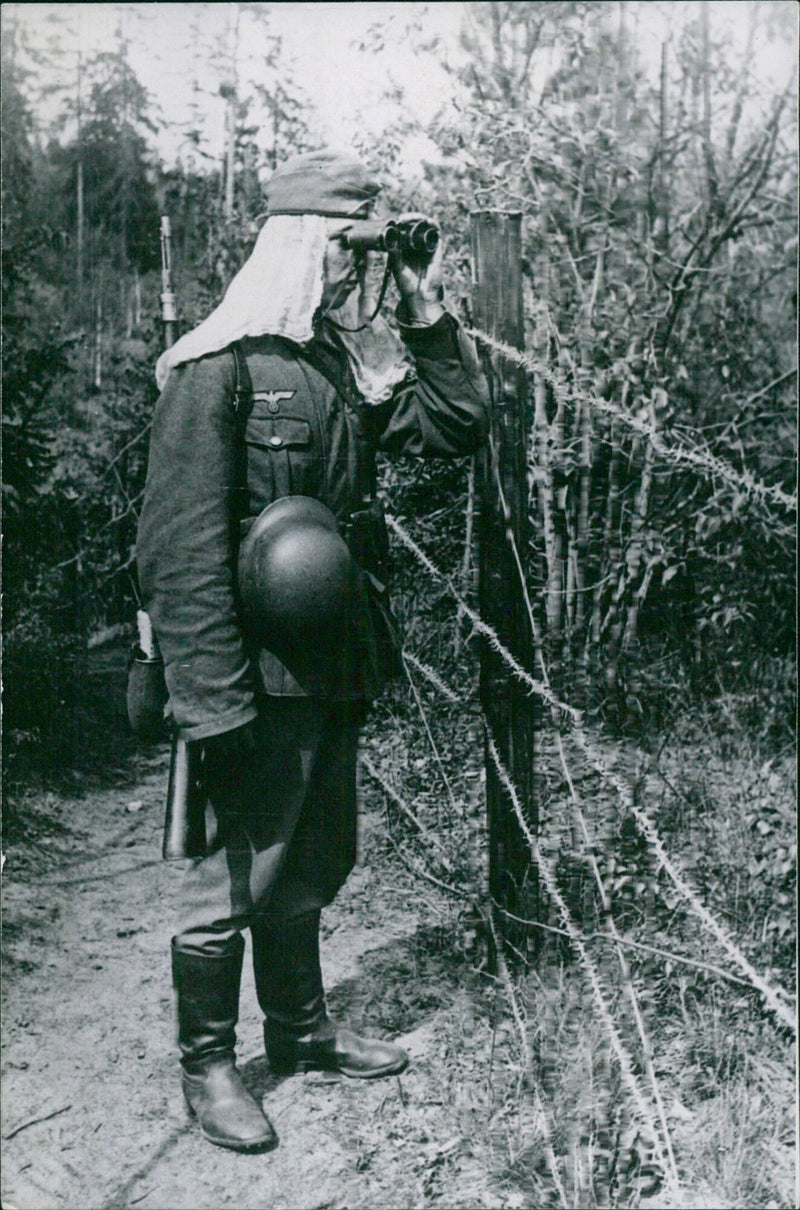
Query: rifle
{"type": "Point", "coordinates": [169, 313]}
{"type": "Point", "coordinates": [147, 691]}
{"type": "Point", "coordinates": [184, 817]}
{"type": "Point", "coordinates": [185, 813]}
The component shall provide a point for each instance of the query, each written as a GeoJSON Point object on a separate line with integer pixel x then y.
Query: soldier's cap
{"type": "Point", "coordinates": [331, 183]}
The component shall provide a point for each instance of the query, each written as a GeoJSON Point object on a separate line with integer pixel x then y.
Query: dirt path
{"type": "Point", "coordinates": [92, 1113]}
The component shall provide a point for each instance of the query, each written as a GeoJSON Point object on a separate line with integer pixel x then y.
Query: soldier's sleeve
{"type": "Point", "coordinates": [441, 411]}
{"type": "Point", "coordinates": [185, 549]}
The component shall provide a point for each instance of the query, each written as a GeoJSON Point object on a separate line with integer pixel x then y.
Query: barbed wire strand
{"type": "Point", "coordinates": [630, 989]}
{"type": "Point", "coordinates": [646, 826]}
{"type": "Point", "coordinates": [626, 943]}
{"type": "Point", "coordinates": [403, 806]}
{"type": "Point", "coordinates": [527, 1059]}
{"type": "Point", "coordinates": [429, 734]}
{"type": "Point", "coordinates": [527, 1054]}
{"type": "Point", "coordinates": [478, 623]}
{"type": "Point", "coordinates": [421, 872]}
{"type": "Point", "coordinates": [612, 936]}
{"type": "Point", "coordinates": [433, 677]}
{"type": "Point", "coordinates": [627, 979]}
{"type": "Point", "coordinates": [648, 830]}
{"type": "Point", "coordinates": [671, 1166]}
{"type": "Point", "coordinates": [658, 952]}
{"type": "Point", "coordinates": [681, 455]}
{"type": "Point", "coordinates": [628, 984]}
{"type": "Point", "coordinates": [549, 878]}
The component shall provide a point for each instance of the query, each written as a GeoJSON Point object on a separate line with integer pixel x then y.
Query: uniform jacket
{"type": "Point", "coordinates": [298, 427]}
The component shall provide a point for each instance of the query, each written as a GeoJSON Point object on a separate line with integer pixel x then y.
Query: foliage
{"type": "Point", "coordinates": [80, 255]}
{"type": "Point", "coordinates": [659, 246]}
{"type": "Point", "coordinates": [660, 257]}
{"type": "Point", "coordinates": [119, 201]}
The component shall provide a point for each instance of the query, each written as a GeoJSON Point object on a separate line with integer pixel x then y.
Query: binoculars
{"type": "Point", "coordinates": [415, 237]}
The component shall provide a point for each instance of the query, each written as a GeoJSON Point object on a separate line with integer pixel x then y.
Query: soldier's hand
{"type": "Point", "coordinates": [419, 279]}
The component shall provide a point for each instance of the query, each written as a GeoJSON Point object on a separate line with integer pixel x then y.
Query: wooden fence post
{"type": "Point", "coordinates": [503, 494]}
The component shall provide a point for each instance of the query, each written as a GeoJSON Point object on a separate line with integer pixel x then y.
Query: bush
{"type": "Point", "coordinates": [40, 698]}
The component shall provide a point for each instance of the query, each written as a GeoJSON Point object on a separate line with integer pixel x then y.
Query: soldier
{"type": "Point", "coordinates": [264, 438]}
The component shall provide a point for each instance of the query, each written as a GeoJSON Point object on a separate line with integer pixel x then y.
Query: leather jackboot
{"type": "Point", "coordinates": [298, 1034]}
{"type": "Point", "coordinates": [208, 1009]}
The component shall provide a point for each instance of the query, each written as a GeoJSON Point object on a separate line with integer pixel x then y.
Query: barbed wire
{"type": "Point", "coordinates": [391, 793]}
{"type": "Point", "coordinates": [681, 455]}
{"type": "Point", "coordinates": [481, 627]}
{"type": "Point", "coordinates": [646, 1115]}
{"type": "Point", "coordinates": [625, 942]}
{"type": "Point", "coordinates": [423, 714]}
{"type": "Point", "coordinates": [679, 880]}
{"type": "Point", "coordinates": [627, 798]}
{"type": "Point", "coordinates": [652, 1114]}
{"type": "Point", "coordinates": [452, 695]}
{"type": "Point", "coordinates": [432, 676]}
{"type": "Point", "coordinates": [627, 979]}
{"type": "Point", "coordinates": [664, 1154]}
{"type": "Point", "coordinates": [646, 826]}
{"type": "Point", "coordinates": [527, 1058]}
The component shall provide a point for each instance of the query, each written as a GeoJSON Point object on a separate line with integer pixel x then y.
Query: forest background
{"type": "Point", "coordinates": [652, 152]}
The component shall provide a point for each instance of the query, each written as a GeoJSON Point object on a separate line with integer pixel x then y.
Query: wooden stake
{"type": "Point", "coordinates": [503, 497]}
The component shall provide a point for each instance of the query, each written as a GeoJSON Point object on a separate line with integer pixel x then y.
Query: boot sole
{"type": "Point", "coordinates": [303, 1066]}
{"type": "Point", "coordinates": [253, 1148]}
{"type": "Point", "coordinates": [393, 1069]}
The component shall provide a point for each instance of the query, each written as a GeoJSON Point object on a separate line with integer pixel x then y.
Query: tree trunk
{"type": "Point", "coordinates": [79, 249]}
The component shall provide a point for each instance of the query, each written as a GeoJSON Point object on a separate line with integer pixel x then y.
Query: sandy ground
{"type": "Point", "coordinates": [92, 1111]}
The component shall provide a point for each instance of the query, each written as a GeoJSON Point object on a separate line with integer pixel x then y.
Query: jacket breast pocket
{"type": "Point", "coordinates": [280, 458]}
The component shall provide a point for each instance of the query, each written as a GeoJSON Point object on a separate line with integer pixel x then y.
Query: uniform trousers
{"type": "Point", "coordinates": [283, 824]}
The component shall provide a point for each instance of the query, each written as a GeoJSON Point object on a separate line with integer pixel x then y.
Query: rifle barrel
{"type": "Point", "coordinates": [169, 310]}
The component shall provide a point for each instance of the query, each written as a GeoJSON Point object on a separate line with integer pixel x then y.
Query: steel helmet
{"type": "Point", "coordinates": [301, 592]}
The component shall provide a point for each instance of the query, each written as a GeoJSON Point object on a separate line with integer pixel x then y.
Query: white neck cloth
{"type": "Point", "coordinates": [278, 292]}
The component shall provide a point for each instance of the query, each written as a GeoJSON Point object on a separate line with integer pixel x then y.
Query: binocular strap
{"type": "Point", "coordinates": [374, 315]}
